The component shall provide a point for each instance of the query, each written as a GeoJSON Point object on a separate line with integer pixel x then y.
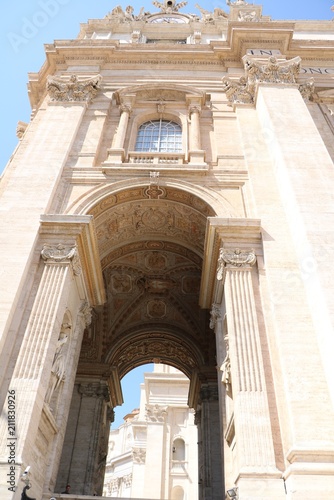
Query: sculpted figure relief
{"type": "Point", "coordinates": [226, 367]}
{"type": "Point", "coordinates": [59, 363]}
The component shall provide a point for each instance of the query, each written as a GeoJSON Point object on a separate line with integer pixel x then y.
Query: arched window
{"type": "Point", "coordinates": [161, 136]}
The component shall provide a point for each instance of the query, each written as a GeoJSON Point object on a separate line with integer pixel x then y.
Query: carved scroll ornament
{"type": "Point", "coordinates": [272, 71]}
{"type": "Point", "coordinates": [139, 455]}
{"type": "Point", "coordinates": [156, 413]}
{"type": "Point", "coordinates": [73, 90]}
{"type": "Point", "coordinates": [284, 72]}
{"type": "Point", "coordinates": [62, 253]}
{"type": "Point", "coordinates": [234, 258]}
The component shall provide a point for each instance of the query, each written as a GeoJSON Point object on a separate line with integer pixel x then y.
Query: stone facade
{"type": "Point", "coordinates": [211, 256]}
{"type": "Point", "coordinates": [142, 464]}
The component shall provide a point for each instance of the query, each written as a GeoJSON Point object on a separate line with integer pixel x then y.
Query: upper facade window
{"type": "Point", "coordinates": [161, 136]}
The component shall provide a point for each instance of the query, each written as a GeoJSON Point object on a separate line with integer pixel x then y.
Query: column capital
{"type": "Point", "coordinates": [73, 89]}
{"type": "Point", "coordinates": [56, 254]}
{"type": "Point", "coordinates": [125, 108]}
{"type": "Point", "coordinates": [194, 108]}
{"type": "Point", "coordinates": [156, 413]}
{"type": "Point", "coordinates": [264, 71]}
{"type": "Point", "coordinates": [94, 390]}
{"type": "Point", "coordinates": [234, 258]}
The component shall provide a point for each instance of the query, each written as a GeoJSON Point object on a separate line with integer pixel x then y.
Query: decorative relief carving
{"type": "Point", "coordinates": [156, 261]}
{"type": "Point", "coordinates": [58, 369]}
{"type": "Point", "coordinates": [156, 284]}
{"type": "Point", "coordinates": [194, 109]}
{"type": "Point", "coordinates": [234, 258]}
{"type": "Point", "coordinates": [86, 312]}
{"type": "Point", "coordinates": [164, 349]}
{"type": "Point", "coordinates": [59, 253]}
{"type": "Point", "coordinates": [121, 283]}
{"type": "Point", "coordinates": [156, 413]}
{"type": "Point", "coordinates": [172, 219]}
{"type": "Point", "coordinates": [161, 106]}
{"type": "Point", "coordinates": [94, 390]}
{"type": "Point", "coordinates": [154, 192]}
{"type": "Point", "coordinates": [237, 91]}
{"type": "Point", "coordinates": [73, 90]}
{"type": "Point", "coordinates": [139, 194]}
{"type": "Point", "coordinates": [198, 417]}
{"type": "Point", "coordinates": [191, 284]}
{"type": "Point", "coordinates": [307, 89]}
{"type": "Point", "coordinates": [156, 308]}
{"type": "Point", "coordinates": [125, 108]}
{"type": "Point", "coordinates": [248, 16]}
{"type": "Point", "coordinates": [89, 349]}
{"type": "Point", "coordinates": [208, 17]}
{"type": "Point", "coordinates": [62, 253]}
{"type": "Point", "coordinates": [168, 7]}
{"type": "Point", "coordinates": [271, 71]}
{"type": "Point", "coordinates": [214, 315]}
{"type": "Point", "coordinates": [225, 367]}
{"type": "Point", "coordinates": [139, 455]}
{"type": "Point", "coordinates": [20, 129]}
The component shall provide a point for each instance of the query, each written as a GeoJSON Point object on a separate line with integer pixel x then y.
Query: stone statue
{"type": "Point", "coordinates": [226, 367]}
{"type": "Point", "coordinates": [59, 363]}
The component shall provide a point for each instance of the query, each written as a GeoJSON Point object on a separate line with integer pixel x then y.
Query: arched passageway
{"type": "Point", "coordinates": [151, 243]}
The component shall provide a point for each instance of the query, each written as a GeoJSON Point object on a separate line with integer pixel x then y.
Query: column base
{"type": "Point", "coordinates": [260, 487]}
{"type": "Point", "coordinates": [309, 480]}
{"type": "Point", "coordinates": [197, 156]}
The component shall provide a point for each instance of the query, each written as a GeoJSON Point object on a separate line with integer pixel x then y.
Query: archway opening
{"type": "Point", "coordinates": [153, 452]}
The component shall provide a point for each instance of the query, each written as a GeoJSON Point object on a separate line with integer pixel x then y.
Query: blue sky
{"type": "Point", "coordinates": [27, 25]}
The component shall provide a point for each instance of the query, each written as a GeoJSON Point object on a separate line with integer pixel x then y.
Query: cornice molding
{"type": "Point", "coordinates": [227, 233]}
{"type": "Point", "coordinates": [79, 232]}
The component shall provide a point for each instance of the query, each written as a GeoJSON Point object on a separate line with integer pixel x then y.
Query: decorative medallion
{"type": "Point", "coordinates": [156, 308]}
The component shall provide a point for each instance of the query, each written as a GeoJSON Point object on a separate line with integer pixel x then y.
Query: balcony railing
{"type": "Point", "coordinates": [154, 157]}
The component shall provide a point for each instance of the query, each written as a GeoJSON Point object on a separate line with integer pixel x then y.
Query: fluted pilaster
{"type": "Point", "coordinates": [255, 449]}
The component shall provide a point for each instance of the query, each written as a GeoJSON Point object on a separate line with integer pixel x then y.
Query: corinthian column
{"type": "Point", "coordinates": [255, 450]}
